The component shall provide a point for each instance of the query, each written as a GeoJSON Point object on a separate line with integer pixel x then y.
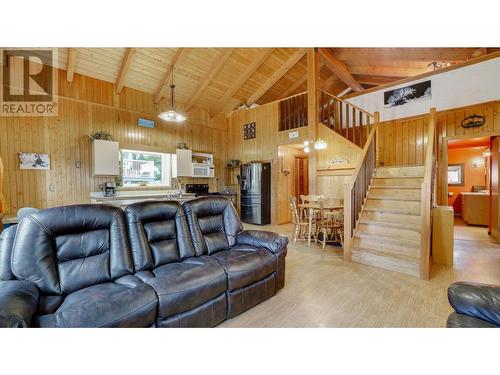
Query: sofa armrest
{"type": "Point", "coordinates": [481, 301]}
{"type": "Point", "coordinates": [18, 303]}
{"type": "Point", "coordinates": [274, 242]}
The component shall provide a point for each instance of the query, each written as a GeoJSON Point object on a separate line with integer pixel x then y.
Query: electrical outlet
{"type": "Point", "coordinates": [52, 187]}
{"type": "Point", "coordinates": [77, 164]}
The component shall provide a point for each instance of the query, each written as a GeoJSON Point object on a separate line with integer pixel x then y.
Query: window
{"type": "Point", "coordinates": [144, 168]}
{"type": "Point", "coordinates": [456, 174]}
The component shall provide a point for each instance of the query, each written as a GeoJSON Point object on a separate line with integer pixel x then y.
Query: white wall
{"type": "Point", "coordinates": [477, 83]}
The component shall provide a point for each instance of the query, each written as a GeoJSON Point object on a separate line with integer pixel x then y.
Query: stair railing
{"type": "Point", "coordinates": [428, 197]}
{"type": "Point", "coordinates": [348, 120]}
{"type": "Point", "coordinates": [356, 190]}
{"type": "Point", "coordinates": [293, 112]}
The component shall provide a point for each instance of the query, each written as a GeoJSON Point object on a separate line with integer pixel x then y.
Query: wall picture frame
{"type": "Point", "coordinates": [249, 131]}
{"type": "Point", "coordinates": [408, 94]}
{"type": "Point", "coordinates": [33, 160]}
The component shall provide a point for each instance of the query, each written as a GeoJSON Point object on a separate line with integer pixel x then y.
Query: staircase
{"type": "Point", "coordinates": [389, 226]}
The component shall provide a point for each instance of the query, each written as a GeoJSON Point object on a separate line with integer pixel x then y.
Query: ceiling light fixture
{"type": "Point", "coordinates": [172, 115]}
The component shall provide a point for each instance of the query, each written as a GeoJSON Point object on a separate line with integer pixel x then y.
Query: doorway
{"type": "Point", "coordinates": [292, 178]}
{"type": "Point", "coordinates": [469, 185]}
{"type": "Point", "coordinates": [300, 175]}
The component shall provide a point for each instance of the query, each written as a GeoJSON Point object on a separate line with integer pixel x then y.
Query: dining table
{"type": "Point", "coordinates": [311, 207]}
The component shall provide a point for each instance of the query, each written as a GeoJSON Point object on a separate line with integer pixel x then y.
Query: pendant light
{"type": "Point", "coordinates": [172, 115]}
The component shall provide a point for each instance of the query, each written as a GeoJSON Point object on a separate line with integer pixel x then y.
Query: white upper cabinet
{"type": "Point", "coordinates": [184, 163]}
{"type": "Point", "coordinates": [105, 158]}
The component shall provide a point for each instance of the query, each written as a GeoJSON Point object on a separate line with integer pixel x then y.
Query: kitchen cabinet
{"type": "Point", "coordinates": [105, 158]}
{"type": "Point", "coordinates": [184, 163]}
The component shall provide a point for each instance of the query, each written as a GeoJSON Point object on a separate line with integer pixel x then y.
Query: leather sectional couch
{"type": "Point", "coordinates": [476, 305]}
{"type": "Point", "coordinates": [156, 264]}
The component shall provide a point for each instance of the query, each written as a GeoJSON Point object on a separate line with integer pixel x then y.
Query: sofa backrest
{"type": "Point", "coordinates": [158, 234]}
{"type": "Point", "coordinates": [213, 222]}
{"type": "Point", "coordinates": [6, 242]}
{"type": "Point", "coordinates": [64, 249]}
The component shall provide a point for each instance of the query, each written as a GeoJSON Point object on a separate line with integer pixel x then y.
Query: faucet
{"type": "Point", "coordinates": [178, 184]}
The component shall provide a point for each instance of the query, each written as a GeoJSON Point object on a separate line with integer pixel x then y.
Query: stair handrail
{"type": "Point", "coordinates": [363, 174]}
{"type": "Point", "coordinates": [427, 198]}
{"type": "Point", "coordinates": [348, 103]}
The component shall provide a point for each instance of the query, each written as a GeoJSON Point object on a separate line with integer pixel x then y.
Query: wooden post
{"type": "Point", "coordinates": [347, 222]}
{"type": "Point", "coordinates": [376, 121]}
{"type": "Point", "coordinates": [312, 113]}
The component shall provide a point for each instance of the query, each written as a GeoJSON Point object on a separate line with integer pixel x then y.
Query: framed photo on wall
{"type": "Point", "coordinates": [30, 160]}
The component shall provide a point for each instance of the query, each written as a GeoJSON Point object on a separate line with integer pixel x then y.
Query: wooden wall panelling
{"type": "Point", "coordinates": [85, 106]}
{"type": "Point", "coordinates": [402, 141]}
{"type": "Point", "coordinates": [449, 126]}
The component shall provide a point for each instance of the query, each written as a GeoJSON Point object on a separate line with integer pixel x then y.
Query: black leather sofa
{"type": "Point", "coordinates": [476, 305]}
{"type": "Point", "coordinates": [98, 266]}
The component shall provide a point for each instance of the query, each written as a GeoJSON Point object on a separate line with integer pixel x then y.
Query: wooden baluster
{"type": "Point", "coordinates": [341, 120]}
{"type": "Point", "coordinates": [347, 120]}
{"type": "Point", "coordinates": [363, 137]}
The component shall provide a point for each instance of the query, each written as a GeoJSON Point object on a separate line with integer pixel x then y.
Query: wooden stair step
{"type": "Point", "coordinates": [412, 171]}
{"type": "Point", "coordinates": [385, 192]}
{"type": "Point", "coordinates": [398, 183]}
{"type": "Point", "coordinates": [391, 205]}
{"type": "Point", "coordinates": [388, 217]}
{"type": "Point", "coordinates": [379, 259]}
{"type": "Point", "coordinates": [389, 230]}
{"type": "Point", "coordinates": [393, 245]}
{"type": "Point", "coordinates": [395, 224]}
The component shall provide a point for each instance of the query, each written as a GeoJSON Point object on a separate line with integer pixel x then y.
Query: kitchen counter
{"type": "Point", "coordinates": [126, 198]}
{"type": "Point", "coordinates": [476, 208]}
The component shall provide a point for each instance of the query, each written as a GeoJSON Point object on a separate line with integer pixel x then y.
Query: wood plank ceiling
{"type": "Point", "coordinates": [222, 79]}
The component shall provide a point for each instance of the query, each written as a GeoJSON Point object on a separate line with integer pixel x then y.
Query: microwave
{"type": "Point", "coordinates": [203, 170]}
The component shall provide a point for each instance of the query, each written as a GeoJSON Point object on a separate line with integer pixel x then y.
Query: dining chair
{"type": "Point", "coordinates": [300, 226]}
{"type": "Point", "coordinates": [329, 226]}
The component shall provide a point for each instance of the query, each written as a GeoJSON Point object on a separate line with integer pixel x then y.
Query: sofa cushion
{"type": "Point", "coordinates": [105, 305]}
{"type": "Point", "coordinates": [64, 249]}
{"type": "Point", "coordinates": [245, 265]}
{"type": "Point", "coordinates": [456, 320]}
{"type": "Point", "coordinates": [182, 286]}
{"type": "Point", "coordinates": [213, 223]}
{"type": "Point", "coordinates": [158, 234]}
{"type": "Point", "coordinates": [6, 242]}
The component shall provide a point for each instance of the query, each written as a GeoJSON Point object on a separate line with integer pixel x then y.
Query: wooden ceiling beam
{"type": "Point", "coordinates": [287, 65]}
{"type": "Point", "coordinates": [180, 54]}
{"type": "Point", "coordinates": [367, 79]}
{"type": "Point", "coordinates": [71, 64]}
{"type": "Point", "coordinates": [127, 59]}
{"type": "Point", "coordinates": [382, 55]}
{"type": "Point", "coordinates": [339, 69]}
{"type": "Point", "coordinates": [262, 56]}
{"type": "Point", "coordinates": [388, 71]}
{"type": "Point", "coordinates": [217, 65]}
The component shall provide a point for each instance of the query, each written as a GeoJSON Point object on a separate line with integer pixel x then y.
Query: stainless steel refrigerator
{"type": "Point", "coordinates": [255, 185]}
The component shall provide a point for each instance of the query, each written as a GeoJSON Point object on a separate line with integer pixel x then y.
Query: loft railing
{"type": "Point", "coordinates": [293, 112]}
{"type": "Point", "coordinates": [357, 189]}
{"type": "Point", "coordinates": [428, 197]}
{"type": "Point", "coordinates": [348, 120]}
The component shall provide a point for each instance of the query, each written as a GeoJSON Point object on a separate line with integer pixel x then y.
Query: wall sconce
{"type": "Point", "coordinates": [487, 153]}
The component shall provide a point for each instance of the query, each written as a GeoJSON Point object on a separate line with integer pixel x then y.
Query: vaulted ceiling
{"type": "Point", "coordinates": [222, 79]}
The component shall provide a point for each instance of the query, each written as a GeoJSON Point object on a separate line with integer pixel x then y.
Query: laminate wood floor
{"type": "Point", "coordinates": [324, 291]}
